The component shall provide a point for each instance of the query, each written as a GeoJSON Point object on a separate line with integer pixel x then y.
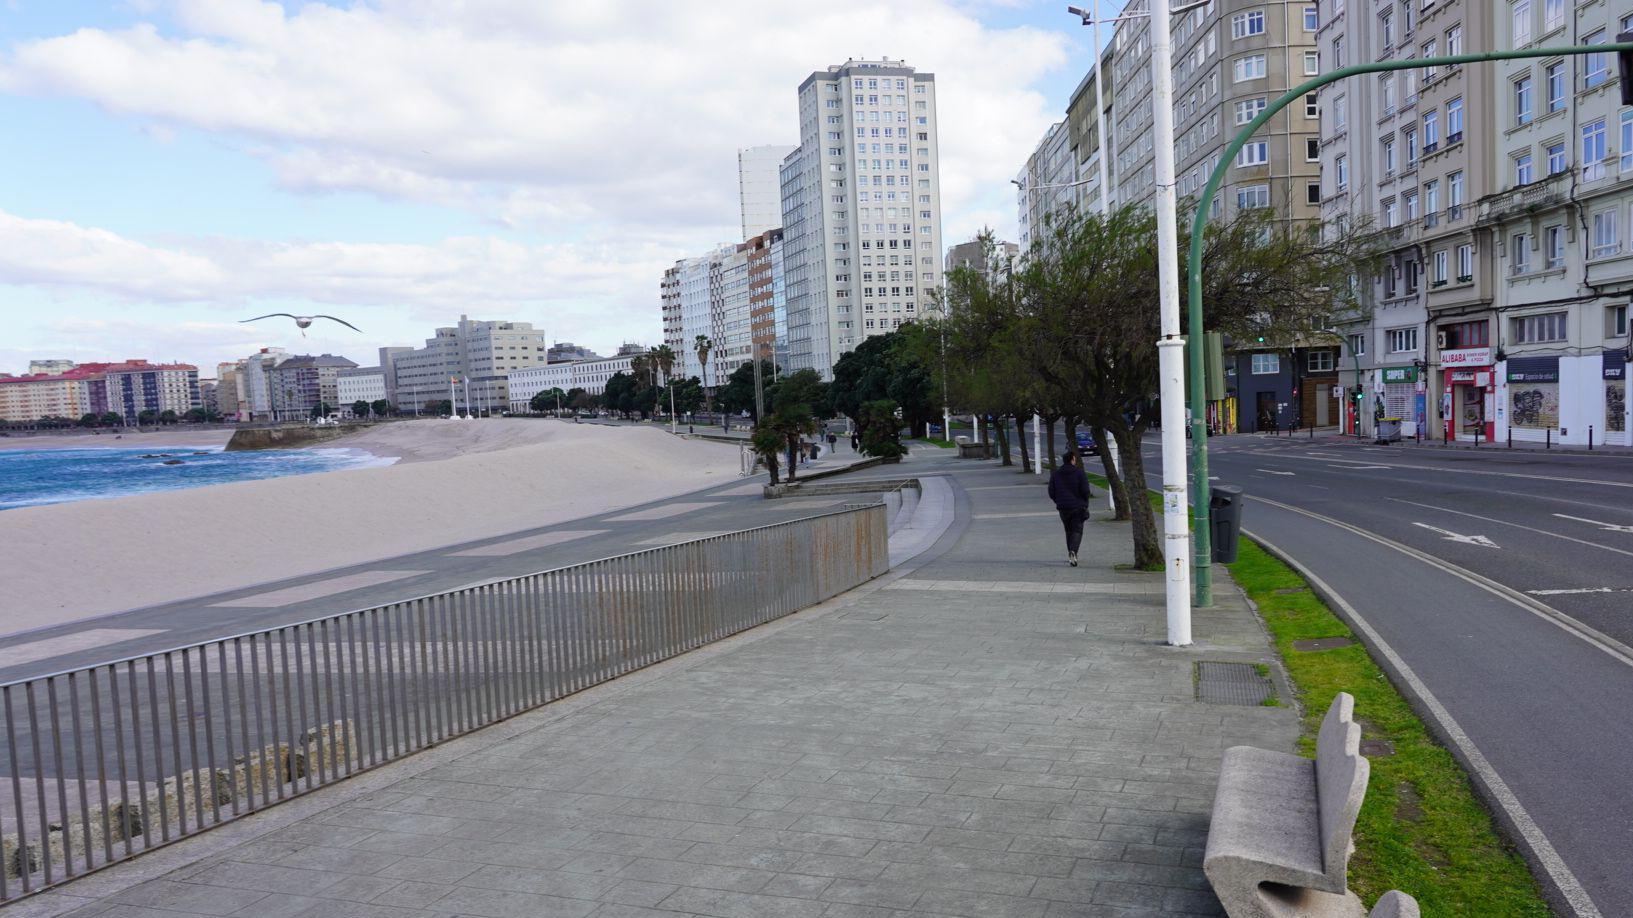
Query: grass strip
{"type": "Point", "coordinates": [1421, 830]}
{"type": "Point", "coordinates": [944, 444]}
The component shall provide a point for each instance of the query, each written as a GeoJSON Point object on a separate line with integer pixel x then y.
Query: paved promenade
{"type": "Point", "coordinates": [987, 732]}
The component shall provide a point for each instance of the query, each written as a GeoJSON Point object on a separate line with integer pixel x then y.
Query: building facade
{"type": "Point", "coordinates": [136, 386]}
{"type": "Point", "coordinates": [765, 294]}
{"type": "Point", "coordinates": [49, 367]}
{"type": "Point", "coordinates": [359, 384]}
{"type": "Point", "coordinates": [590, 375]}
{"type": "Point", "coordinates": [973, 254]}
{"type": "Point", "coordinates": [305, 383]}
{"type": "Point", "coordinates": [482, 352]}
{"type": "Point", "coordinates": [759, 187]}
{"type": "Point", "coordinates": [861, 208]}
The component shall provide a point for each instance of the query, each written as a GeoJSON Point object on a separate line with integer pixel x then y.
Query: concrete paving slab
{"type": "Point", "coordinates": [317, 589]}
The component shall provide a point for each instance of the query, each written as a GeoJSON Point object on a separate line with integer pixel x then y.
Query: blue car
{"type": "Point", "coordinates": [1086, 445]}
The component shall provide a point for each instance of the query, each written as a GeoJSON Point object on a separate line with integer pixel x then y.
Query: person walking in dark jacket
{"type": "Point", "coordinates": [1069, 489]}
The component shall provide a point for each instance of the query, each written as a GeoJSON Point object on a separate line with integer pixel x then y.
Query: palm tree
{"type": "Point", "coordinates": [663, 359]}
{"type": "Point", "coordinates": [640, 365]}
{"type": "Point", "coordinates": [703, 346]}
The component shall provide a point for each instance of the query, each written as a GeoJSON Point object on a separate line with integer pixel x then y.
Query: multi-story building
{"type": "Point", "coordinates": [482, 352]}
{"type": "Point", "coordinates": [44, 395]}
{"type": "Point", "coordinates": [759, 188]}
{"type": "Point", "coordinates": [136, 386]}
{"type": "Point", "coordinates": [49, 367]}
{"type": "Point", "coordinates": [255, 384]}
{"type": "Point", "coordinates": [674, 330]}
{"type": "Point", "coordinates": [1083, 124]}
{"type": "Point", "coordinates": [303, 383]}
{"type": "Point", "coordinates": [226, 389]}
{"type": "Point", "coordinates": [729, 309]}
{"type": "Point", "coordinates": [1551, 245]}
{"type": "Point", "coordinates": [699, 297]}
{"type": "Point", "coordinates": [861, 205]}
{"type": "Point", "coordinates": [1046, 184]}
{"type": "Point", "coordinates": [566, 351]}
{"type": "Point", "coordinates": [766, 298]}
{"type": "Point", "coordinates": [207, 395]}
{"type": "Point", "coordinates": [359, 384]}
{"type": "Point", "coordinates": [388, 365]}
{"type": "Point", "coordinates": [973, 254]}
{"type": "Point", "coordinates": [591, 375]}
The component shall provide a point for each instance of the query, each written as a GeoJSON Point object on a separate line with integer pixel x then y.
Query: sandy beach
{"type": "Point", "coordinates": [457, 481]}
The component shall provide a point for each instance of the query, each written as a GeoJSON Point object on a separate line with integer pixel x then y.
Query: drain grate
{"type": "Point", "coordinates": [1331, 643]}
{"type": "Point", "coordinates": [1231, 683]}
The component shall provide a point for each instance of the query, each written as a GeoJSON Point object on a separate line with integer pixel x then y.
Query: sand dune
{"type": "Point", "coordinates": [69, 561]}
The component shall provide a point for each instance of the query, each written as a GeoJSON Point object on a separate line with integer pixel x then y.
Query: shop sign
{"type": "Point", "coordinates": [1533, 369]}
{"type": "Point", "coordinates": [1615, 366]}
{"type": "Point", "coordinates": [1463, 376]}
{"type": "Point", "coordinates": [1400, 374]}
{"type": "Point", "coordinates": [1466, 357]}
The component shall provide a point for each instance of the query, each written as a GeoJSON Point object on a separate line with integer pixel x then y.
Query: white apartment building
{"type": "Point", "coordinates": [730, 305]}
{"type": "Point", "coordinates": [1046, 184]}
{"type": "Point", "coordinates": [589, 375]}
{"type": "Point", "coordinates": [759, 187]}
{"type": "Point", "coordinates": [359, 384]}
{"type": "Point", "coordinates": [483, 352]}
{"type": "Point", "coordinates": [861, 202]}
{"type": "Point", "coordinates": [692, 298]}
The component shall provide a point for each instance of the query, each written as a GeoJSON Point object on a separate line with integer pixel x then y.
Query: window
{"type": "Point", "coordinates": [1520, 14]}
{"type": "Point", "coordinates": [1522, 100]}
{"type": "Point", "coordinates": [1553, 15]}
{"type": "Point", "coordinates": [1467, 334]}
{"type": "Point", "coordinates": [1342, 165]}
{"type": "Point", "coordinates": [1248, 109]}
{"type": "Point", "coordinates": [1431, 197]}
{"type": "Point", "coordinates": [1593, 150]}
{"type": "Point", "coordinates": [1320, 361]}
{"type": "Point", "coordinates": [1454, 120]}
{"type": "Point", "coordinates": [1411, 137]}
{"type": "Point", "coordinates": [1244, 24]}
{"type": "Point", "coordinates": [1556, 158]}
{"type": "Point", "coordinates": [1431, 48]}
{"type": "Point", "coordinates": [1389, 156]}
{"type": "Point", "coordinates": [1616, 321]}
{"type": "Point", "coordinates": [1312, 193]}
{"type": "Point", "coordinates": [1340, 112]}
{"type": "Point", "coordinates": [1386, 87]}
{"type": "Point", "coordinates": [1549, 326]}
{"type": "Point", "coordinates": [1312, 63]}
{"type": "Point", "coordinates": [1411, 199]}
{"type": "Point", "coordinates": [1519, 253]}
{"type": "Point", "coordinates": [1465, 263]}
{"type": "Point", "coordinates": [1256, 153]}
{"type": "Point", "coordinates": [1556, 86]}
{"type": "Point", "coordinates": [1250, 67]}
{"type": "Point", "coordinates": [1392, 214]}
{"type": "Point", "coordinates": [1386, 28]}
{"type": "Point", "coordinates": [1431, 132]}
{"type": "Point", "coordinates": [1338, 52]}
{"type": "Point", "coordinates": [1595, 67]}
{"type": "Point", "coordinates": [1627, 140]}
{"type": "Point", "coordinates": [1454, 40]}
{"type": "Point", "coordinates": [1252, 196]}
{"type": "Point", "coordinates": [1312, 105]}
{"type": "Point", "coordinates": [1454, 191]}
{"type": "Point", "coordinates": [1553, 248]}
{"type": "Point", "coordinates": [1357, 345]}
{"type": "Point", "coordinates": [1442, 269]}
{"type": "Point", "coordinates": [1605, 239]}
{"type": "Point", "coordinates": [1411, 278]}
{"type": "Point", "coordinates": [1312, 150]}
{"type": "Point", "coordinates": [1265, 364]}
{"type": "Point", "coordinates": [1311, 20]}
{"type": "Point", "coordinates": [1524, 173]}
{"type": "Point", "coordinates": [1401, 340]}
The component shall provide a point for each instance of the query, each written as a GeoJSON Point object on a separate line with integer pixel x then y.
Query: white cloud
{"type": "Point", "coordinates": [613, 114]}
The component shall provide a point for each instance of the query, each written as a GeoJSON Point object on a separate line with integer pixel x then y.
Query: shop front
{"type": "Point", "coordinates": [1468, 401]}
{"type": "Point", "coordinates": [1533, 397]}
{"type": "Point", "coordinates": [1613, 370]}
{"type": "Point", "coordinates": [1401, 395]}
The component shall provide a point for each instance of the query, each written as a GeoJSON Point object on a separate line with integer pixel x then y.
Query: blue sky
{"type": "Point", "coordinates": [171, 166]}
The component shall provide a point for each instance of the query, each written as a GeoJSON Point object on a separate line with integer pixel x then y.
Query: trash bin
{"type": "Point", "coordinates": [1389, 430]}
{"type": "Point", "coordinates": [1225, 516]}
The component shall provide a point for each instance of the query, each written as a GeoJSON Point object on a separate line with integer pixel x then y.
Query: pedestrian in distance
{"type": "Point", "coordinates": [1069, 489]}
{"type": "Point", "coordinates": [855, 444]}
{"type": "Point", "coordinates": [832, 439]}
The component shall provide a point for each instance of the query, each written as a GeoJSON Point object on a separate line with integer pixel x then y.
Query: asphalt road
{"type": "Point", "coordinates": [1520, 649]}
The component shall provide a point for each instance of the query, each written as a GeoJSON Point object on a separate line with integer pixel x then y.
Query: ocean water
{"type": "Point", "coordinates": [53, 476]}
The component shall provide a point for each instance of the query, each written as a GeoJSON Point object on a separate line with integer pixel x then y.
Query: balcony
{"type": "Point", "coordinates": [1547, 193]}
{"type": "Point", "coordinates": [1594, 171]}
{"type": "Point", "coordinates": [1431, 220]}
{"type": "Point", "coordinates": [1430, 147]}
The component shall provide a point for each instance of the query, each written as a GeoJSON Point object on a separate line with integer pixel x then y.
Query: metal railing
{"type": "Point", "coordinates": [107, 761]}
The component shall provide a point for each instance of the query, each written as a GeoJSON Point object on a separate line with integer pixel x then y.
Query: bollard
{"type": "Point", "coordinates": [1548, 438]}
{"type": "Point", "coordinates": [1590, 438]}
{"type": "Point", "coordinates": [1446, 433]}
{"type": "Point", "coordinates": [1511, 436]}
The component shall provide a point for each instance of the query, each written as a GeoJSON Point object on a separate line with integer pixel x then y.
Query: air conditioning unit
{"type": "Point", "coordinates": [1440, 340]}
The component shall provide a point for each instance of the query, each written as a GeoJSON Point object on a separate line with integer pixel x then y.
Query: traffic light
{"type": "Point", "coordinates": [1624, 63]}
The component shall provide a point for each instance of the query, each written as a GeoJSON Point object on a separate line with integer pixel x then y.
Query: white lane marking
{"type": "Point", "coordinates": [45, 649]}
{"type": "Point", "coordinates": [1531, 833]}
{"type": "Point", "coordinates": [1488, 519]}
{"type": "Point", "coordinates": [1356, 468]}
{"type": "Point", "coordinates": [1273, 472]}
{"type": "Point", "coordinates": [1608, 527]}
{"type": "Point", "coordinates": [1580, 590]}
{"type": "Point", "coordinates": [1447, 534]}
{"type": "Point", "coordinates": [316, 590]}
{"type": "Point", "coordinates": [1436, 468]}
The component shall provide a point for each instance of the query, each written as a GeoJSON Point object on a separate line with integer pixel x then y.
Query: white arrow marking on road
{"type": "Point", "coordinates": [1272, 472]}
{"type": "Point", "coordinates": [1581, 590]}
{"type": "Point", "coordinates": [1608, 527]}
{"type": "Point", "coordinates": [1480, 540]}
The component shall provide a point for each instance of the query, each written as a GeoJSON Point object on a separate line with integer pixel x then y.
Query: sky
{"type": "Point", "coordinates": [170, 167]}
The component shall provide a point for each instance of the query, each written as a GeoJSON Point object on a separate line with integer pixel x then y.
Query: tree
{"type": "Point", "coordinates": [146, 416]}
{"type": "Point", "coordinates": [381, 408]}
{"type": "Point", "coordinates": [579, 400]}
{"type": "Point", "coordinates": [703, 346]}
{"type": "Point", "coordinates": [360, 408]}
{"type": "Point", "coordinates": [686, 395]}
{"type": "Point", "coordinates": [550, 399]}
{"type": "Point", "coordinates": [803, 387]}
{"type": "Point", "coordinates": [90, 419]}
{"type": "Point", "coordinates": [112, 418]}
{"type": "Point", "coordinates": [663, 358]}
{"type": "Point", "coordinates": [738, 392]}
{"type": "Point", "coordinates": [438, 406]}
{"type": "Point", "coordinates": [767, 442]}
{"type": "Point", "coordinates": [619, 392]}
{"type": "Point", "coordinates": [879, 429]}
{"type": "Point", "coordinates": [891, 367]}
{"type": "Point", "coordinates": [320, 410]}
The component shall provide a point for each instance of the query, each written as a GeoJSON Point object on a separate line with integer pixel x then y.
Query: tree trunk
{"type": "Point", "coordinates": [1003, 438]}
{"type": "Point", "coordinates": [1148, 553]}
{"type": "Point", "coordinates": [793, 456]}
{"type": "Point", "coordinates": [1020, 434]}
{"type": "Point", "coordinates": [1114, 478]}
{"type": "Point", "coordinates": [1049, 434]}
{"type": "Point", "coordinates": [1071, 431]}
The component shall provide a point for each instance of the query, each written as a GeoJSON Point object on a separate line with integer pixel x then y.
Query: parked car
{"type": "Point", "coordinates": [1086, 445]}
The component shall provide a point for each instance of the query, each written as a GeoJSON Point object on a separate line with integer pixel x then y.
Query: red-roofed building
{"type": "Point", "coordinates": [129, 388]}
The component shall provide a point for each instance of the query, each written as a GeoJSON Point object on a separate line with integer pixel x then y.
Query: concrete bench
{"type": "Point", "coordinates": [1279, 838]}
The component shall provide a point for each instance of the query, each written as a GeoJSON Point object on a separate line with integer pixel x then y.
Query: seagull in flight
{"type": "Point", "coordinates": [301, 322]}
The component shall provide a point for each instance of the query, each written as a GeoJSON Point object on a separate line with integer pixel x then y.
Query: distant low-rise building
{"type": "Point", "coordinates": [360, 384]}
{"type": "Point", "coordinates": [49, 367]}
{"type": "Point", "coordinates": [475, 355]}
{"type": "Point", "coordinates": [589, 375]}
{"type": "Point", "coordinates": [567, 351]}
